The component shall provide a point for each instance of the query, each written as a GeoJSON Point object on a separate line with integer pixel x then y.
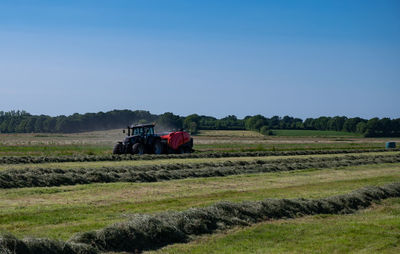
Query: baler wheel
{"type": "Point", "coordinates": [181, 150]}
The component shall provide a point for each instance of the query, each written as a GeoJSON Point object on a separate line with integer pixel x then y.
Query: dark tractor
{"type": "Point", "coordinates": [141, 139]}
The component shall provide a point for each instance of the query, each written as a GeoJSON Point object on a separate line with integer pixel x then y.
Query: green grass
{"type": "Point", "coordinates": [59, 212]}
{"type": "Point", "coordinates": [314, 133]}
{"type": "Point", "coordinates": [374, 230]}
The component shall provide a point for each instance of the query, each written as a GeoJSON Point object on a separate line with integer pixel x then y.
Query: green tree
{"type": "Point", "coordinates": [372, 127]}
{"type": "Point", "coordinates": [168, 121]}
{"type": "Point", "coordinates": [265, 131]}
{"type": "Point", "coordinates": [256, 122]}
{"type": "Point", "coordinates": [191, 123]}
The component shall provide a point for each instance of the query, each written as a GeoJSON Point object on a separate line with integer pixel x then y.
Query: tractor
{"type": "Point", "coordinates": [141, 139]}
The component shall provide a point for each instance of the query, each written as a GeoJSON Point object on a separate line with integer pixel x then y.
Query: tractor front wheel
{"type": "Point", "coordinates": [117, 148]}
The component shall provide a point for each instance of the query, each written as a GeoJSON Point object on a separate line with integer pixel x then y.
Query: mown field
{"type": "Point", "coordinates": [302, 193]}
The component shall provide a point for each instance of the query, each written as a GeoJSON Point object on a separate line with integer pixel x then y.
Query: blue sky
{"type": "Point", "coordinates": [300, 58]}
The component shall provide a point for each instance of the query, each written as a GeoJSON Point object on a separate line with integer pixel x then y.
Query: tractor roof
{"type": "Point", "coordinates": [142, 125]}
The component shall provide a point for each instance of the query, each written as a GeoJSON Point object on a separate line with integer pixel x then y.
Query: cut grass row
{"type": "Point", "coordinates": [59, 212]}
{"type": "Point", "coordinates": [374, 230]}
{"type": "Point", "coordinates": [55, 177]}
{"type": "Point", "coordinates": [110, 157]}
{"type": "Point", "coordinates": [143, 232]}
{"type": "Point", "coordinates": [176, 161]}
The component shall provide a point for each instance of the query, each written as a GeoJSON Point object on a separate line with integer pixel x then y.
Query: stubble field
{"type": "Point", "coordinates": [292, 192]}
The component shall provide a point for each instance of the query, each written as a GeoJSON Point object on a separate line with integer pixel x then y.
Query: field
{"type": "Point", "coordinates": [293, 192]}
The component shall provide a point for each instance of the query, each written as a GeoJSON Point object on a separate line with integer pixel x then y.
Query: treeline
{"type": "Point", "coordinates": [375, 127]}
{"type": "Point", "coordinates": [23, 122]}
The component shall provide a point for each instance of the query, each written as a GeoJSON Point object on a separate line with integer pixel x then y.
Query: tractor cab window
{"type": "Point", "coordinates": [137, 131]}
{"type": "Point", "coordinates": [150, 131]}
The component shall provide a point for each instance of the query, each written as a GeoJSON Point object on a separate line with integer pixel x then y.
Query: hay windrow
{"type": "Point", "coordinates": [47, 177]}
{"type": "Point", "coordinates": [111, 157]}
{"type": "Point", "coordinates": [145, 232]}
{"type": "Point", "coordinates": [9, 244]}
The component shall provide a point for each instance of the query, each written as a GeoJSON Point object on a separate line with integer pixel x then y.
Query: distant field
{"type": "Point", "coordinates": [314, 133]}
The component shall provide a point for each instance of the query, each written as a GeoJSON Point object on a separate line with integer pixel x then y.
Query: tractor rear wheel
{"type": "Point", "coordinates": [157, 147]}
{"type": "Point", "coordinates": [137, 149]}
{"type": "Point", "coordinates": [117, 148]}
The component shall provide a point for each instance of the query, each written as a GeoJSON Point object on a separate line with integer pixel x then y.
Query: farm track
{"type": "Point", "coordinates": [88, 158]}
{"type": "Point", "coordinates": [144, 232]}
{"type": "Point", "coordinates": [46, 177]}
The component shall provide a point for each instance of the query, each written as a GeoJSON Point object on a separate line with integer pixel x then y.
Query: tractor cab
{"type": "Point", "coordinates": [141, 130]}
{"type": "Point", "coordinates": [140, 139]}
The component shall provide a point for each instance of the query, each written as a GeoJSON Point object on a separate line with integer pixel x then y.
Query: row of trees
{"type": "Point", "coordinates": [23, 122]}
{"type": "Point", "coordinates": [375, 127]}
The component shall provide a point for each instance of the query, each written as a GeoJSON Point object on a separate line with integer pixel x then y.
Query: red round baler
{"type": "Point", "coordinates": [178, 140]}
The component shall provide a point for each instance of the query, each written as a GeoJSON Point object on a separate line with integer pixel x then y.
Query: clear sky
{"type": "Point", "coordinates": [300, 58]}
